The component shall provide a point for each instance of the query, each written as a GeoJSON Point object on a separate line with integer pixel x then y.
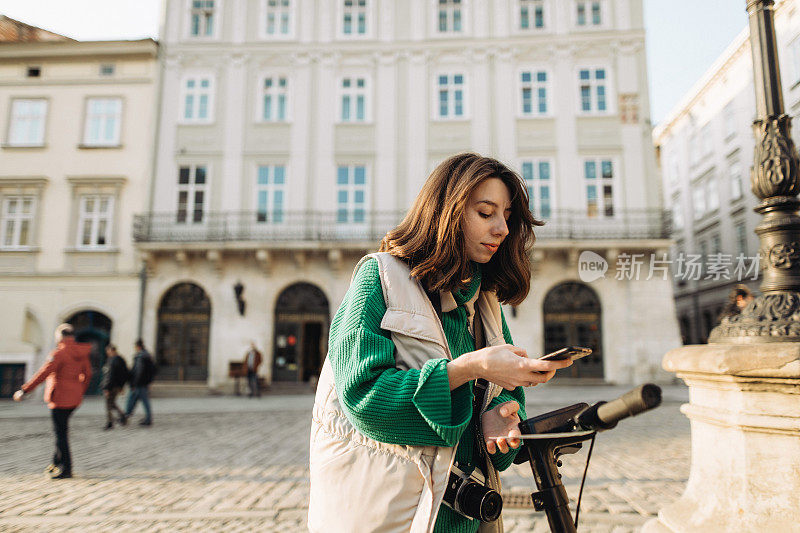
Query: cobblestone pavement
{"type": "Point", "coordinates": [237, 464]}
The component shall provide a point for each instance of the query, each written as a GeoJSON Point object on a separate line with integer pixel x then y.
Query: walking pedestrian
{"type": "Point", "coordinates": [422, 381]}
{"type": "Point", "coordinates": [142, 374]}
{"type": "Point", "coordinates": [252, 361]}
{"type": "Point", "coordinates": [67, 372]}
{"type": "Point", "coordinates": [115, 376]}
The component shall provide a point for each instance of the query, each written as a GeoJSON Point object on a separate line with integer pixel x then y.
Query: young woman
{"type": "Point", "coordinates": [394, 407]}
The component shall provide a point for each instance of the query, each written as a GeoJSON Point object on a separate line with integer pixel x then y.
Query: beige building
{"type": "Point", "coordinates": [76, 127]}
{"type": "Point", "coordinates": [293, 133]}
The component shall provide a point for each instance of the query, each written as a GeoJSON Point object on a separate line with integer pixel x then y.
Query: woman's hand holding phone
{"type": "Point", "coordinates": [505, 365]}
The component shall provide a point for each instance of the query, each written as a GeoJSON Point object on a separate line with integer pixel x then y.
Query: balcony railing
{"type": "Point", "coordinates": [574, 224]}
{"type": "Point", "coordinates": [223, 226]}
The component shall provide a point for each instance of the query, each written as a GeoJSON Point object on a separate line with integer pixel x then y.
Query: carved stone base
{"type": "Point", "coordinates": [745, 419]}
{"type": "Point", "coordinates": [772, 317]}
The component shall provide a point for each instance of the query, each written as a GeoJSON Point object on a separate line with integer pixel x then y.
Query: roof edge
{"type": "Point", "coordinates": [31, 31]}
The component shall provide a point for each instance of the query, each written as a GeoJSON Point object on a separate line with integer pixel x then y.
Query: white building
{"type": "Point", "coordinates": [706, 153]}
{"type": "Point", "coordinates": [76, 126]}
{"type": "Point", "coordinates": [294, 133]}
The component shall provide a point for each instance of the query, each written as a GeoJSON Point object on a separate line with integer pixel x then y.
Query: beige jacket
{"type": "Point", "coordinates": [362, 485]}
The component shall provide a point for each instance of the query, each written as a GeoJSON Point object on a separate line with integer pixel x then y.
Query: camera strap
{"type": "Point", "coordinates": [479, 400]}
{"type": "Point", "coordinates": [480, 387]}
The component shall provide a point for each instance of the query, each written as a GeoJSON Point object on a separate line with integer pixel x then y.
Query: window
{"type": "Point", "coordinates": [270, 193]}
{"type": "Point", "coordinates": [729, 113]}
{"type": "Point", "coordinates": [533, 97]}
{"type": "Point", "coordinates": [677, 251]}
{"type": "Point", "coordinates": [107, 69]}
{"type": "Point", "coordinates": [274, 94]}
{"type": "Point", "coordinates": [703, 248]}
{"type": "Point", "coordinates": [539, 185]}
{"type": "Point", "coordinates": [741, 238]}
{"type": "Point", "coordinates": [698, 200]}
{"type": "Point", "coordinates": [450, 91]}
{"type": "Point", "coordinates": [531, 14]}
{"type": "Point", "coordinates": [278, 18]}
{"type": "Point", "coordinates": [191, 193]}
{"type": "Point", "coordinates": [593, 90]}
{"type": "Point", "coordinates": [735, 173]}
{"type": "Point", "coordinates": [103, 118]}
{"type": "Point", "coordinates": [694, 147]}
{"type": "Point", "coordinates": [354, 17]}
{"type": "Point", "coordinates": [795, 56]}
{"type": "Point", "coordinates": [94, 220]}
{"type": "Point", "coordinates": [712, 194]}
{"type": "Point", "coordinates": [629, 108]}
{"type": "Point", "coordinates": [674, 175]}
{"type": "Point", "coordinates": [588, 13]}
{"type": "Point", "coordinates": [198, 100]}
{"type": "Point", "coordinates": [202, 18]}
{"type": "Point", "coordinates": [450, 16]}
{"type": "Point", "coordinates": [599, 175]}
{"type": "Point", "coordinates": [706, 141]}
{"type": "Point", "coordinates": [351, 194]}
{"type": "Point", "coordinates": [677, 214]}
{"type": "Point", "coordinates": [16, 227]}
{"type": "Point", "coordinates": [33, 72]}
{"type": "Point", "coordinates": [354, 100]}
{"type": "Point", "coordinates": [716, 244]}
{"type": "Point", "coordinates": [27, 122]}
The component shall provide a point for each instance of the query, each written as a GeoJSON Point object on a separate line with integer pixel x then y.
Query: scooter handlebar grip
{"type": "Point", "coordinates": [638, 400]}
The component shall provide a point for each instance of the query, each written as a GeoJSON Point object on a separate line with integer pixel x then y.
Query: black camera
{"type": "Point", "coordinates": [467, 494]}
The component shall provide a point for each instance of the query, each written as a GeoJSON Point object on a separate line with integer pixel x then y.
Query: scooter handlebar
{"type": "Point", "coordinates": [605, 415]}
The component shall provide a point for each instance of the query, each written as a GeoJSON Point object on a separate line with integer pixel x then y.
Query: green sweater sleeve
{"type": "Point", "coordinates": [501, 461]}
{"type": "Point", "coordinates": [410, 407]}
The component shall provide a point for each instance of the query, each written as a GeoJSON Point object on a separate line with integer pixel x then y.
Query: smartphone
{"type": "Point", "coordinates": [570, 352]}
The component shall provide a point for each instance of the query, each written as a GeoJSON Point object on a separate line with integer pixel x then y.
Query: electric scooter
{"type": "Point", "coordinates": [548, 436]}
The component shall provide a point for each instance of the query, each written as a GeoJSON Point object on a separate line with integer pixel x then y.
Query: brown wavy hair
{"type": "Point", "coordinates": [430, 239]}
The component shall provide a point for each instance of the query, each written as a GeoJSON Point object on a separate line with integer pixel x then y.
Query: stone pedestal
{"type": "Point", "coordinates": [744, 408]}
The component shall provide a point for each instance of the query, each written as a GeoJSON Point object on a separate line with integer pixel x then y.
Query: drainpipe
{"type": "Point", "coordinates": [153, 162]}
{"type": "Point", "coordinates": [142, 288]}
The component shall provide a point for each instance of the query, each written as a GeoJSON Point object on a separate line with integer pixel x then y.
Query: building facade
{"type": "Point", "coordinates": [294, 133]}
{"type": "Point", "coordinates": [705, 148]}
{"type": "Point", "coordinates": [77, 122]}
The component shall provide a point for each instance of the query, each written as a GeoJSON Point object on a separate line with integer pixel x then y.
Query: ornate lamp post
{"type": "Point", "coordinates": [775, 315]}
{"type": "Point", "coordinates": [744, 386]}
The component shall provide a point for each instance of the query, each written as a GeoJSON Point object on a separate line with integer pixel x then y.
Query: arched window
{"type": "Point", "coordinates": [572, 316]}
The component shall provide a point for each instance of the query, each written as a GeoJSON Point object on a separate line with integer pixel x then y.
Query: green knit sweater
{"type": "Point", "coordinates": [410, 407]}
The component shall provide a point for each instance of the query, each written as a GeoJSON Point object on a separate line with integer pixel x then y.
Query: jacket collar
{"type": "Point", "coordinates": [449, 302]}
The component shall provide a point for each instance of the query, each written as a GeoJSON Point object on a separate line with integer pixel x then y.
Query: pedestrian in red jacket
{"type": "Point", "coordinates": [67, 371]}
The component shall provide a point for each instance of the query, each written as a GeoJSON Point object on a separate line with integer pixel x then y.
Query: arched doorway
{"type": "Point", "coordinates": [93, 327]}
{"type": "Point", "coordinates": [572, 315]}
{"type": "Point", "coordinates": [184, 317]}
{"type": "Point", "coordinates": [301, 333]}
